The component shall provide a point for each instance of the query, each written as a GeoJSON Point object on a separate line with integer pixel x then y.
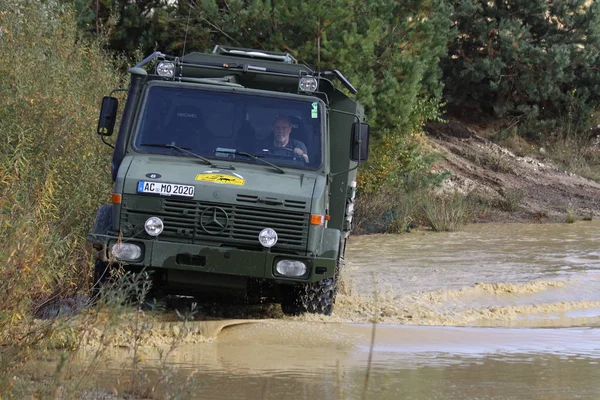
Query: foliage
{"type": "Point", "coordinates": [530, 61]}
{"type": "Point", "coordinates": [396, 207]}
{"type": "Point", "coordinates": [49, 159]}
{"type": "Point", "coordinates": [128, 25]}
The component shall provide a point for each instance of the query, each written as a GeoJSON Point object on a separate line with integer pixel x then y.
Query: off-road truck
{"type": "Point", "coordinates": [202, 197]}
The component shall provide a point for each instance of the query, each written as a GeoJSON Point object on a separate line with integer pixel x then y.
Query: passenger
{"type": "Point", "coordinates": [282, 127]}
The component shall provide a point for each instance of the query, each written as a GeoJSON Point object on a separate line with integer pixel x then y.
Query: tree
{"type": "Point", "coordinates": [532, 61]}
{"type": "Point", "coordinates": [128, 25]}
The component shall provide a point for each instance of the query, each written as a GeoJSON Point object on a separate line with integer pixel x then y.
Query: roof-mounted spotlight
{"type": "Point", "coordinates": [308, 84]}
{"type": "Point", "coordinates": [165, 69]}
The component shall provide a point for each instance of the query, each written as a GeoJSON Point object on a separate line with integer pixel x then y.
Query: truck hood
{"type": "Point", "coordinates": [247, 184]}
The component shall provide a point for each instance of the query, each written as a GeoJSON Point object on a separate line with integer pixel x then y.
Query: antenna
{"type": "Point", "coordinates": [187, 24]}
{"type": "Point", "coordinates": [319, 47]}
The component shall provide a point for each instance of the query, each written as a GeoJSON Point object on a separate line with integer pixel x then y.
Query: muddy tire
{"type": "Point", "coordinates": [314, 298]}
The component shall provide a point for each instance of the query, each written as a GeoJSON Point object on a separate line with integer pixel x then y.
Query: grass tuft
{"type": "Point", "coordinates": [570, 218]}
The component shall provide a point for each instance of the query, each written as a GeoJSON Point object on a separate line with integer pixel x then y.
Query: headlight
{"type": "Point", "coordinates": [308, 84]}
{"type": "Point", "coordinates": [154, 226]}
{"type": "Point", "coordinates": [267, 237]}
{"type": "Point", "coordinates": [292, 268]}
{"type": "Point", "coordinates": [126, 251]}
{"type": "Point", "coordinates": [166, 69]}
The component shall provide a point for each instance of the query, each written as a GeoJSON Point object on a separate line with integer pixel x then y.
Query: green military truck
{"type": "Point", "coordinates": [234, 175]}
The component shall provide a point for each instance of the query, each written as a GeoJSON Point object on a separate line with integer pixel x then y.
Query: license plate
{"type": "Point", "coordinates": [165, 189]}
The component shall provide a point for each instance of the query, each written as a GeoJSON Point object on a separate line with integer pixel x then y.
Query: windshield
{"type": "Point", "coordinates": [232, 126]}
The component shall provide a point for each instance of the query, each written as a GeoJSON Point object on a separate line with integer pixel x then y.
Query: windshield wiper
{"type": "Point", "coordinates": [252, 156]}
{"type": "Point", "coordinates": [181, 149]}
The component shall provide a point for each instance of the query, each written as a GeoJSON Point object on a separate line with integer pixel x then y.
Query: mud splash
{"type": "Point", "coordinates": [162, 333]}
{"type": "Point", "coordinates": [472, 306]}
{"type": "Point", "coordinates": [89, 331]}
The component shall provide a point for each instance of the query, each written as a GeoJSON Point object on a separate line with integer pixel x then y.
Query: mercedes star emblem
{"type": "Point", "coordinates": [214, 220]}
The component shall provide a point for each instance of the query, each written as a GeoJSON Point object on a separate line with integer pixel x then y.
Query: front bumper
{"type": "Point", "coordinates": [218, 260]}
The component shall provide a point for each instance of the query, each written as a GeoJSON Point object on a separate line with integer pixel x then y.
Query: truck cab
{"type": "Point", "coordinates": [234, 175]}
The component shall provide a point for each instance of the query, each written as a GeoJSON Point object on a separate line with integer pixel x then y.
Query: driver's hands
{"type": "Point", "coordinates": [299, 151]}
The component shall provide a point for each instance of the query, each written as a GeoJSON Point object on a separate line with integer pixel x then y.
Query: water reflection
{"type": "Point", "coordinates": [305, 361]}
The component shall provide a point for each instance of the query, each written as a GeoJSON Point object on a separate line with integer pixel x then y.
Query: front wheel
{"type": "Point", "coordinates": [314, 298]}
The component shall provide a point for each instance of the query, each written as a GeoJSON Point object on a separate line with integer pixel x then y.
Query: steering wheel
{"type": "Point", "coordinates": [285, 152]}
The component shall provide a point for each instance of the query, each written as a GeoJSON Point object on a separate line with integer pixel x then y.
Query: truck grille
{"type": "Point", "coordinates": [194, 221]}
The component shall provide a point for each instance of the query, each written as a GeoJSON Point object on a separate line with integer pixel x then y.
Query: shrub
{"type": "Point", "coordinates": [53, 170]}
{"type": "Point", "coordinates": [446, 212]}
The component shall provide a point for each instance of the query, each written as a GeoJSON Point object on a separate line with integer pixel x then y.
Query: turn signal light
{"type": "Point", "coordinates": [116, 198]}
{"type": "Point", "coordinates": [317, 219]}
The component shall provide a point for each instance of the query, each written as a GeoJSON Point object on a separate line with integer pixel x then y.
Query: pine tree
{"type": "Point", "coordinates": [390, 50]}
{"type": "Point", "coordinates": [531, 61]}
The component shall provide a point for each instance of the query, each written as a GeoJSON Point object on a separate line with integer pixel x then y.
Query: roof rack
{"type": "Point", "coordinates": [286, 58]}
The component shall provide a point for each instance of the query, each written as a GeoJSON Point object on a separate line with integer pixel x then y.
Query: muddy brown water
{"type": "Point", "coordinates": [498, 311]}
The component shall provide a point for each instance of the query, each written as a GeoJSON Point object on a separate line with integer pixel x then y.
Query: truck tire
{"type": "Point", "coordinates": [103, 221]}
{"type": "Point", "coordinates": [314, 298]}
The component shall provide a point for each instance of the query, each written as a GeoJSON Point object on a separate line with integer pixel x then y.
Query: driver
{"type": "Point", "coordinates": [282, 126]}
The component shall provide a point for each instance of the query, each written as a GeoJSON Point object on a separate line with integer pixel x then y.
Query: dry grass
{"type": "Point", "coordinates": [570, 217]}
{"type": "Point", "coordinates": [446, 212]}
{"type": "Point", "coordinates": [581, 157]}
{"type": "Point", "coordinates": [397, 211]}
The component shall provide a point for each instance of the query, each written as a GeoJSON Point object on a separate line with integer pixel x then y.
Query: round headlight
{"type": "Point", "coordinates": [166, 69]}
{"type": "Point", "coordinates": [308, 84]}
{"type": "Point", "coordinates": [267, 237]}
{"type": "Point", "coordinates": [154, 226]}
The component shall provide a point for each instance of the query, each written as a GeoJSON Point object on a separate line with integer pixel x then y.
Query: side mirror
{"type": "Point", "coordinates": [360, 142]}
{"type": "Point", "coordinates": [108, 116]}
